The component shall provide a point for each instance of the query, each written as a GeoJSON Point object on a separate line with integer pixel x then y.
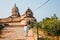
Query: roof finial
{"type": "Point", "coordinates": [28, 9]}
{"type": "Point", "coordinates": [15, 5]}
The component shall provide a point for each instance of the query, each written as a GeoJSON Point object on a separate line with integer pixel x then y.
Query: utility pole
{"type": "Point", "coordinates": [37, 32]}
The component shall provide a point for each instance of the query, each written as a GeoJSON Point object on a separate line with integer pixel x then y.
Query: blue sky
{"type": "Point", "coordinates": [53, 6]}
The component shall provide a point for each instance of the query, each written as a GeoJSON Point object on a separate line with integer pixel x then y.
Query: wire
{"type": "Point", "coordinates": [42, 5]}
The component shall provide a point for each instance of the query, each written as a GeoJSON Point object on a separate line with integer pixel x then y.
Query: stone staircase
{"type": "Point", "coordinates": [14, 33]}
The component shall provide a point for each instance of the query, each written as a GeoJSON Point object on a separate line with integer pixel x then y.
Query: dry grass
{"type": "Point", "coordinates": [44, 35]}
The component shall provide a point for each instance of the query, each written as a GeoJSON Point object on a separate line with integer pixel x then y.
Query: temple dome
{"type": "Point", "coordinates": [29, 12]}
{"type": "Point", "coordinates": [15, 11]}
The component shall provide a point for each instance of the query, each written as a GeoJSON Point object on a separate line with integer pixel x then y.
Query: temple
{"type": "Point", "coordinates": [17, 19]}
{"type": "Point", "coordinates": [14, 25]}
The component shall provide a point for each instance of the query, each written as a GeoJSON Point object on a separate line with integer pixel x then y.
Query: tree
{"type": "Point", "coordinates": [51, 26]}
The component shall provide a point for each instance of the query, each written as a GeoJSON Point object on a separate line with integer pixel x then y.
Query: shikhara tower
{"type": "Point", "coordinates": [15, 11]}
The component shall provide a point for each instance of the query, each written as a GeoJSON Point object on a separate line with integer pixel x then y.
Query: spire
{"type": "Point", "coordinates": [15, 11]}
{"type": "Point", "coordinates": [15, 8]}
{"type": "Point", "coordinates": [15, 4]}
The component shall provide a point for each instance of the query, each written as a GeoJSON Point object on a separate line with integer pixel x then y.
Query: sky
{"type": "Point", "coordinates": [47, 10]}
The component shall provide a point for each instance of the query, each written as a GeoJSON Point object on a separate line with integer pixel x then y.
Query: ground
{"type": "Point", "coordinates": [15, 33]}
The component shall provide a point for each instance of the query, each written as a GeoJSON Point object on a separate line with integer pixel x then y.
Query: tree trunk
{"type": "Point", "coordinates": [0, 33]}
{"type": "Point", "coordinates": [57, 37]}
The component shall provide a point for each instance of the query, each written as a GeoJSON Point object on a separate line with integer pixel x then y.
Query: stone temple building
{"type": "Point", "coordinates": [13, 25]}
{"type": "Point", "coordinates": [16, 19]}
